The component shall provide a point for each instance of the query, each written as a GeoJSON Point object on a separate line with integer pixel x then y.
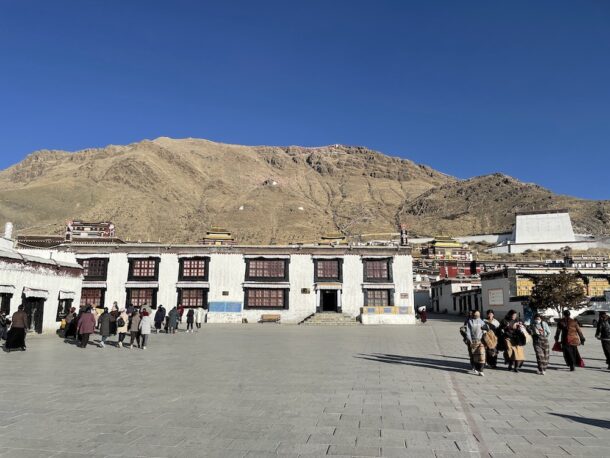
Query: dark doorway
{"type": "Point", "coordinates": [328, 300]}
{"type": "Point", "coordinates": [34, 307]}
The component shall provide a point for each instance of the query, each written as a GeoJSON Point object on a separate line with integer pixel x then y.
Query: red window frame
{"type": "Point", "coordinates": [94, 268]}
{"type": "Point", "coordinates": [265, 297]}
{"type": "Point", "coordinates": [192, 298]}
{"type": "Point", "coordinates": [92, 296]}
{"type": "Point", "coordinates": [141, 296]}
{"type": "Point", "coordinates": [144, 268]}
{"type": "Point", "coordinates": [377, 297]}
{"type": "Point", "coordinates": [377, 270]}
{"type": "Point", "coordinates": [193, 268]}
{"type": "Point", "coordinates": [266, 268]}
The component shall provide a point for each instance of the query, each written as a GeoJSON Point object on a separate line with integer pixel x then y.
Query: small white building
{"type": "Point", "coordinates": [46, 286]}
{"type": "Point", "coordinates": [442, 293]}
{"type": "Point", "coordinates": [244, 282]}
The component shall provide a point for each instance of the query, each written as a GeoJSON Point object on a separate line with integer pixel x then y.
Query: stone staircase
{"type": "Point", "coordinates": [330, 319]}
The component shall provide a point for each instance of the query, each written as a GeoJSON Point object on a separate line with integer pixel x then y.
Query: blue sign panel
{"type": "Point", "coordinates": [225, 307]}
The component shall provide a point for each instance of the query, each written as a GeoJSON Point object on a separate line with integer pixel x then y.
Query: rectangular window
{"type": "Point", "coordinates": [193, 297]}
{"type": "Point", "coordinates": [328, 269]}
{"type": "Point", "coordinates": [5, 302]}
{"type": "Point", "coordinates": [193, 269]}
{"type": "Point", "coordinates": [92, 296]}
{"type": "Point", "coordinates": [94, 269]}
{"type": "Point", "coordinates": [143, 269]}
{"type": "Point", "coordinates": [63, 309]}
{"type": "Point", "coordinates": [266, 298]}
{"type": "Point", "coordinates": [142, 296]}
{"type": "Point", "coordinates": [377, 297]}
{"type": "Point", "coordinates": [377, 270]}
{"type": "Point", "coordinates": [266, 269]}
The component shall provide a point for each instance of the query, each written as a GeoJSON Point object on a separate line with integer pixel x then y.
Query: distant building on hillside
{"type": "Point", "coordinates": [85, 230]}
{"type": "Point", "coordinates": [75, 232]}
{"type": "Point", "coordinates": [447, 248]}
{"type": "Point", "coordinates": [218, 236]}
{"type": "Point", "coordinates": [543, 230]}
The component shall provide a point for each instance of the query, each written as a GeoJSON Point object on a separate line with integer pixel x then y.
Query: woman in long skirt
{"type": "Point", "coordinates": [492, 351]}
{"type": "Point", "coordinates": [570, 335]}
{"type": "Point", "coordinates": [514, 341]}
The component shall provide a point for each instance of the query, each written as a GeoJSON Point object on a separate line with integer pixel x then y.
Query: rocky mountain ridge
{"type": "Point", "coordinates": [173, 190]}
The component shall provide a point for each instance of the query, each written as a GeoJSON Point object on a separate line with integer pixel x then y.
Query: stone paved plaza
{"type": "Point", "coordinates": [268, 390]}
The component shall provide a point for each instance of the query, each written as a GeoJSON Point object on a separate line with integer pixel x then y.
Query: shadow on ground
{"type": "Point", "coordinates": [587, 421]}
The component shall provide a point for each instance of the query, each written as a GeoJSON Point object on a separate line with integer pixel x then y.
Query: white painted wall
{"type": "Point", "coordinates": [352, 296]}
{"type": "Point", "coordinates": [544, 227]}
{"type": "Point", "coordinates": [22, 276]}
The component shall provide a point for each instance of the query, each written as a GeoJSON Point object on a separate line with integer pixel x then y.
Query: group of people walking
{"type": "Point", "coordinates": [137, 322]}
{"type": "Point", "coordinates": [485, 339]}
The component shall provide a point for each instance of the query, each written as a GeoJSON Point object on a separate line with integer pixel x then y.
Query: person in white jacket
{"type": "Point", "coordinates": [146, 324]}
{"type": "Point", "coordinates": [199, 315]}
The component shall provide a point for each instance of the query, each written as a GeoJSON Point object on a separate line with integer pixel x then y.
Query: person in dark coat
{"type": "Point", "coordinates": [603, 334]}
{"type": "Point", "coordinates": [3, 325]}
{"type": "Point", "coordinates": [134, 329]}
{"type": "Point", "coordinates": [172, 323]}
{"type": "Point", "coordinates": [86, 326]}
{"type": "Point", "coordinates": [103, 323]}
{"type": "Point", "coordinates": [16, 335]}
{"type": "Point", "coordinates": [570, 336]}
{"type": "Point", "coordinates": [159, 318]}
{"type": "Point", "coordinates": [190, 320]}
{"type": "Point", "coordinates": [114, 314]}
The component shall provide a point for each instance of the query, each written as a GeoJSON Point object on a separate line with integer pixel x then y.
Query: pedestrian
{"type": "Point", "coordinates": [70, 328]}
{"type": "Point", "coordinates": [159, 318]}
{"type": "Point", "coordinates": [122, 323]}
{"type": "Point", "coordinates": [540, 332]}
{"type": "Point", "coordinates": [86, 326]}
{"type": "Point", "coordinates": [199, 316]}
{"type": "Point", "coordinates": [3, 325]}
{"type": "Point", "coordinates": [514, 341]}
{"type": "Point", "coordinates": [475, 329]}
{"type": "Point", "coordinates": [570, 336]}
{"type": "Point", "coordinates": [180, 314]}
{"type": "Point", "coordinates": [172, 323]}
{"type": "Point", "coordinates": [103, 324]}
{"type": "Point", "coordinates": [491, 350]}
{"type": "Point", "coordinates": [603, 334]}
{"type": "Point", "coordinates": [134, 329]}
{"type": "Point", "coordinates": [145, 328]}
{"type": "Point", "coordinates": [190, 319]}
{"type": "Point", "coordinates": [423, 314]}
{"type": "Point", "coordinates": [15, 337]}
{"type": "Point", "coordinates": [114, 314]}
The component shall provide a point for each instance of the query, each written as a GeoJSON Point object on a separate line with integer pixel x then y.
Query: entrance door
{"type": "Point", "coordinates": [328, 299]}
{"type": "Point", "coordinates": [34, 307]}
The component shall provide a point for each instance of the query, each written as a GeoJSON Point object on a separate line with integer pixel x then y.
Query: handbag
{"type": "Point", "coordinates": [581, 363]}
{"type": "Point", "coordinates": [557, 346]}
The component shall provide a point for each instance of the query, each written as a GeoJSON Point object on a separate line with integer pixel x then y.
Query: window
{"type": "Point", "coordinates": [63, 309]}
{"type": "Point", "coordinates": [142, 296]}
{"type": "Point", "coordinates": [94, 269]}
{"type": "Point", "coordinates": [194, 269]}
{"type": "Point", "coordinates": [266, 298]}
{"type": "Point", "coordinates": [143, 268]}
{"type": "Point", "coordinates": [5, 302]}
{"type": "Point", "coordinates": [377, 297]}
{"type": "Point", "coordinates": [258, 269]}
{"type": "Point", "coordinates": [328, 269]}
{"type": "Point", "coordinates": [193, 297]}
{"type": "Point", "coordinates": [92, 296]}
{"type": "Point", "coordinates": [377, 270]}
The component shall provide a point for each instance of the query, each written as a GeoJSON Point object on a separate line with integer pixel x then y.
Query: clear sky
{"type": "Point", "coordinates": [468, 87]}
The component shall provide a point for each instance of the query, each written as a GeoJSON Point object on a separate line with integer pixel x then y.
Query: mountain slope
{"type": "Point", "coordinates": [172, 190]}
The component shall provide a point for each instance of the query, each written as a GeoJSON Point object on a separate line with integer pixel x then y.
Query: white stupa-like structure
{"type": "Point", "coordinates": [543, 230]}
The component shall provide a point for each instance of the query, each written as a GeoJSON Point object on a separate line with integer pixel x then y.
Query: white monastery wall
{"type": "Point", "coordinates": [544, 227]}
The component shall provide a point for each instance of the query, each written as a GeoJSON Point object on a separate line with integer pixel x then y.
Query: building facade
{"type": "Point", "coordinates": [236, 283]}
{"type": "Point", "coordinates": [442, 293]}
{"type": "Point", "coordinates": [47, 286]}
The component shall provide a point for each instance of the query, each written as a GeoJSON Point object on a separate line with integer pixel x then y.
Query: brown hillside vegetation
{"type": "Point", "coordinates": [173, 190]}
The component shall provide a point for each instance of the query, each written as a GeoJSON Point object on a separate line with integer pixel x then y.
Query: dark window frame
{"type": "Point", "coordinates": [205, 297]}
{"type": "Point", "coordinates": [5, 302]}
{"type": "Point", "coordinates": [102, 298]}
{"type": "Point", "coordinates": [205, 277]}
{"type": "Point", "coordinates": [132, 262]}
{"type": "Point", "coordinates": [63, 308]}
{"type": "Point", "coordinates": [390, 297]}
{"type": "Point", "coordinates": [285, 278]}
{"type": "Point", "coordinates": [317, 278]}
{"type": "Point", "coordinates": [389, 263]}
{"type": "Point", "coordinates": [129, 300]}
{"type": "Point", "coordinates": [102, 277]}
{"type": "Point", "coordinates": [258, 307]}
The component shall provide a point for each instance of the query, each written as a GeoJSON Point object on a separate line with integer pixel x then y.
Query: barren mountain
{"type": "Point", "coordinates": [173, 190]}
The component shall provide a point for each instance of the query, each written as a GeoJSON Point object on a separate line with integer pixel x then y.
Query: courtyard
{"type": "Point", "coordinates": [281, 390]}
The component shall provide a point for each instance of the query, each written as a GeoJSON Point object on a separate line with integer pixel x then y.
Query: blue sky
{"type": "Point", "coordinates": [467, 87]}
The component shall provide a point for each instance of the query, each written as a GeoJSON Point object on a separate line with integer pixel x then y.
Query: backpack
{"type": "Point", "coordinates": [120, 322]}
{"type": "Point", "coordinates": [490, 340]}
